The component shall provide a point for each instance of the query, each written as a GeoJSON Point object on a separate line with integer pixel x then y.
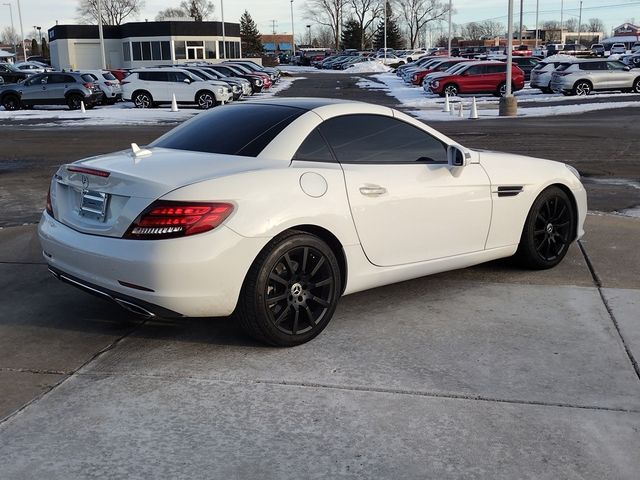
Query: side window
{"type": "Point", "coordinates": [615, 65]}
{"type": "Point", "coordinates": [314, 149]}
{"type": "Point", "coordinates": [496, 68]}
{"type": "Point", "coordinates": [476, 70]}
{"type": "Point", "coordinates": [177, 77]}
{"type": "Point", "coordinates": [378, 139]}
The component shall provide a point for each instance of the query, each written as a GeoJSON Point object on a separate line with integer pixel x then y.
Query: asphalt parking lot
{"type": "Point", "coordinates": [488, 372]}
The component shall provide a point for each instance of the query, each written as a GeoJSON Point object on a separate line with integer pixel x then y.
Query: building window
{"type": "Point", "coordinates": [194, 44]}
{"type": "Point", "coordinates": [156, 54]}
{"type": "Point", "coordinates": [137, 51]}
{"type": "Point", "coordinates": [146, 50]}
{"type": "Point", "coordinates": [180, 50]}
{"type": "Point", "coordinates": [232, 49]}
{"type": "Point", "coordinates": [166, 50]}
{"type": "Point", "coordinates": [126, 51]}
{"type": "Point", "coordinates": [210, 49]}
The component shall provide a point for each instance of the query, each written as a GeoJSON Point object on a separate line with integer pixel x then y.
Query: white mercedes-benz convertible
{"type": "Point", "coordinates": [275, 209]}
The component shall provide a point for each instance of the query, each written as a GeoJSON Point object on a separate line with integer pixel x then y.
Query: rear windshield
{"type": "Point", "coordinates": [88, 78]}
{"type": "Point", "coordinates": [242, 129]}
{"type": "Point", "coordinates": [108, 76]}
{"type": "Point", "coordinates": [563, 66]}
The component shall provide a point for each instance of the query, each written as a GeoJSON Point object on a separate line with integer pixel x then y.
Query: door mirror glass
{"type": "Point", "coordinates": [186, 80]}
{"type": "Point", "coordinates": [456, 157]}
{"type": "Point", "coordinates": [627, 68]}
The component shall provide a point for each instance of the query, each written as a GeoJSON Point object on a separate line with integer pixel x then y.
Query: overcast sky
{"type": "Point", "coordinates": [612, 12]}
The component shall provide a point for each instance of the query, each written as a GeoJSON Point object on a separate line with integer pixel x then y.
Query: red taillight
{"type": "Point", "coordinates": [49, 206]}
{"type": "Point", "coordinates": [88, 85]}
{"type": "Point", "coordinates": [89, 171]}
{"type": "Point", "coordinates": [164, 219]}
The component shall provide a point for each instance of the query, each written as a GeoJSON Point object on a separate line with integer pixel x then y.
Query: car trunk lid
{"type": "Point", "coordinates": [103, 195]}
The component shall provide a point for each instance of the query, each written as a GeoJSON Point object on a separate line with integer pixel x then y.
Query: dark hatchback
{"type": "Point", "coordinates": [11, 74]}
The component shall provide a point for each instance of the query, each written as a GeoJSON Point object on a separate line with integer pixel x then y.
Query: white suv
{"type": "Point", "coordinates": [149, 87]}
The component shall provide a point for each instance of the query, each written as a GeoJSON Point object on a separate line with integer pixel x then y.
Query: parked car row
{"type": "Point", "coordinates": [559, 74]}
{"type": "Point", "coordinates": [203, 84]}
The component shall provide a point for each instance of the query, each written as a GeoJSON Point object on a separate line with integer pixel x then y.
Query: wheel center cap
{"type": "Point", "coordinates": [549, 228]}
{"type": "Point", "coordinates": [296, 289]}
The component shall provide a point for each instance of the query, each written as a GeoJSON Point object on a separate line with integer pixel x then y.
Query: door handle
{"type": "Point", "coordinates": [372, 190]}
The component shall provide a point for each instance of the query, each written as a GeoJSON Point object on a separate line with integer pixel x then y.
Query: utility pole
{"type": "Point", "coordinates": [224, 40]}
{"type": "Point", "coordinates": [449, 44]}
{"type": "Point", "coordinates": [24, 49]}
{"type": "Point", "coordinates": [293, 34]}
{"type": "Point", "coordinates": [580, 22]}
{"type": "Point", "coordinates": [101, 35]}
{"type": "Point", "coordinates": [508, 104]}
{"type": "Point", "coordinates": [13, 30]}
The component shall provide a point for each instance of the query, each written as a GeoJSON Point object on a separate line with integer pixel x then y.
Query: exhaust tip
{"type": "Point", "coordinates": [133, 308]}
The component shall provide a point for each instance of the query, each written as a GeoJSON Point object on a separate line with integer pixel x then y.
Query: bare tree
{"type": "Point", "coordinates": [571, 24]}
{"type": "Point", "coordinates": [323, 37]}
{"type": "Point", "coordinates": [10, 36]}
{"type": "Point", "coordinates": [365, 12]}
{"type": "Point", "coordinates": [492, 29]}
{"type": "Point", "coordinates": [418, 13]}
{"type": "Point", "coordinates": [171, 13]}
{"type": "Point", "coordinates": [114, 12]}
{"type": "Point", "coordinates": [327, 13]}
{"type": "Point", "coordinates": [199, 10]}
{"type": "Point", "coordinates": [595, 25]}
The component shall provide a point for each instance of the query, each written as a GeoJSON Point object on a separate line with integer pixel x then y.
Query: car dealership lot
{"type": "Point", "coordinates": [488, 372]}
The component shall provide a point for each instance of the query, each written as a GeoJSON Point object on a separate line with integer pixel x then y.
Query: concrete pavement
{"type": "Point", "coordinates": [487, 372]}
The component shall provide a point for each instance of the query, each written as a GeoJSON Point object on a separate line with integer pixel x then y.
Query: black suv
{"type": "Point", "coordinates": [10, 74]}
{"type": "Point", "coordinates": [52, 88]}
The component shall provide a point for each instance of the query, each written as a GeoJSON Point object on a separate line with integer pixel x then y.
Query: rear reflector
{"type": "Point", "coordinates": [165, 219]}
{"type": "Point", "coordinates": [89, 171]}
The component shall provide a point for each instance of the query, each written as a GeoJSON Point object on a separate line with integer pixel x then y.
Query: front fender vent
{"type": "Point", "coordinates": [509, 191]}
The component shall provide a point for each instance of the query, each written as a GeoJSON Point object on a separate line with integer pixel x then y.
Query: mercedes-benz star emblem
{"type": "Point", "coordinates": [296, 289]}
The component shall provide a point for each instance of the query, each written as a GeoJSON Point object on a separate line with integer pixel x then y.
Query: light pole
{"type": "Point", "coordinates": [309, 35]}
{"type": "Point", "coordinates": [24, 49]}
{"type": "Point", "coordinates": [580, 22]}
{"type": "Point", "coordinates": [385, 32]}
{"type": "Point", "coordinates": [521, 6]}
{"type": "Point", "coordinates": [224, 43]}
{"type": "Point", "coordinates": [101, 35]}
{"type": "Point", "coordinates": [13, 30]}
{"type": "Point", "coordinates": [293, 34]}
{"type": "Point", "coordinates": [537, 11]}
{"type": "Point", "coordinates": [508, 103]}
{"type": "Point", "coordinates": [561, 20]}
{"type": "Point", "coordinates": [449, 44]}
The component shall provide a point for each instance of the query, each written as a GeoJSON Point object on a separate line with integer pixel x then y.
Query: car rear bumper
{"type": "Point", "coordinates": [196, 276]}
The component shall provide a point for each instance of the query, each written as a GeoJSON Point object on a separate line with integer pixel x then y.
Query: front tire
{"type": "Point", "coordinates": [451, 89]}
{"type": "Point", "coordinates": [205, 100]}
{"type": "Point", "coordinates": [11, 103]}
{"type": "Point", "coordinates": [636, 86]}
{"type": "Point", "coordinates": [548, 230]}
{"type": "Point", "coordinates": [291, 290]}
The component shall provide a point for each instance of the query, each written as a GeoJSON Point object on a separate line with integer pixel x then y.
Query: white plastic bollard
{"type": "Point", "coordinates": [174, 104]}
{"type": "Point", "coordinates": [452, 112]}
{"type": "Point", "coordinates": [474, 110]}
{"type": "Point", "coordinates": [82, 109]}
{"type": "Point", "coordinates": [447, 107]}
{"type": "Point", "coordinates": [461, 111]}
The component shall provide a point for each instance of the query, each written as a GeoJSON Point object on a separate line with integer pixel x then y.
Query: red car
{"type": "Point", "coordinates": [418, 77]}
{"type": "Point", "coordinates": [479, 77]}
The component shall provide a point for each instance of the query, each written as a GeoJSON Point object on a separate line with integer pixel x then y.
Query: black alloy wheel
{"type": "Point", "coordinates": [291, 291]}
{"type": "Point", "coordinates": [451, 89]}
{"type": "Point", "coordinates": [582, 89]}
{"type": "Point", "coordinates": [11, 103]}
{"type": "Point", "coordinates": [636, 86]}
{"type": "Point", "coordinates": [548, 230]}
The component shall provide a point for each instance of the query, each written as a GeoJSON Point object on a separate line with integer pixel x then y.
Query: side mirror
{"type": "Point", "coordinates": [627, 68]}
{"type": "Point", "coordinates": [456, 157]}
{"type": "Point", "coordinates": [186, 80]}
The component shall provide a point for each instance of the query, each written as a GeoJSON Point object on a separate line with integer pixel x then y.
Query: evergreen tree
{"type": "Point", "coordinates": [44, 48]}
{"type": "Point", "coordinates": [250, 36]}
{"type": "Point", "coordinates": [394, 37]}
{"type": "Point", "coordinates": [34, 47]}
{"type": "Point", "coordinates": [351, 35]}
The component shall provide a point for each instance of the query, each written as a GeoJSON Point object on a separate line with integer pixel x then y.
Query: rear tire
{"type": "Point", "coordinates": [11, 103]}
{"type": "Point", "coordinates": [291, 291]}
{"type": "Point", "coordinates": [582, 88]}
{"type": "Point", "coordinates": [74, 101]}
{"type": "Point", "coordinates": [142, 100]}
{"type": "Point", "coordinates": [548, 230]}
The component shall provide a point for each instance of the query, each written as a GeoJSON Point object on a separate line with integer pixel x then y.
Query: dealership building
{"type": "Point", "coordinates": [142, 44]}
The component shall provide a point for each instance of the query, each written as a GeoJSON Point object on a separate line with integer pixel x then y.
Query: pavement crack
{"type": "Point", "coordinates": [35, 370]}
{"type": "Point", "coordinates": [73, 372]}
{"type": "Point", "coordinates": [369, 389]}
{"type": "Point", "coordinates": [598, 282]}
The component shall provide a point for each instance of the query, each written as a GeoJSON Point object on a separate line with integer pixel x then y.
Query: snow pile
{"type": "Point", "coordinates": [368, 67]}
{"type": "Point", "coordinates": [559, 58]}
